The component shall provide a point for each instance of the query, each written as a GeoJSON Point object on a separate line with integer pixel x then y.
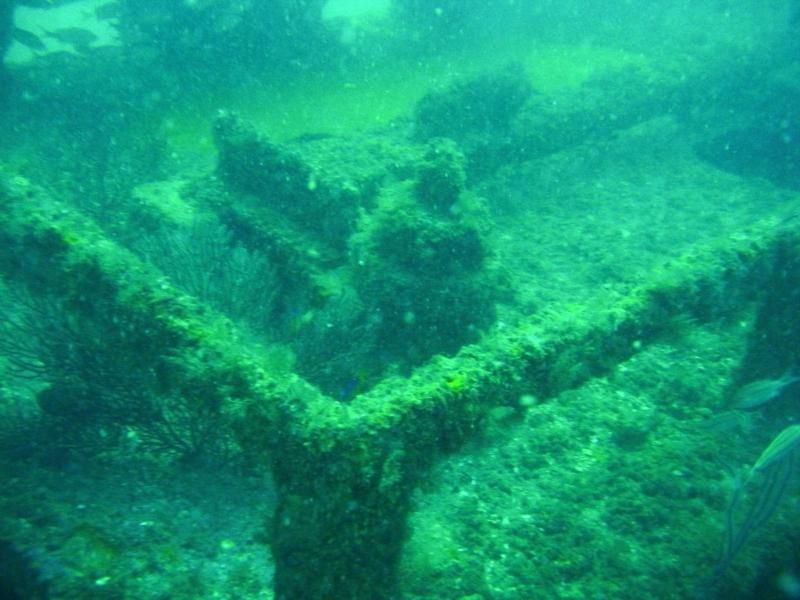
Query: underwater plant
{"type": "Point", "coordinates": [204, 260]}
{"type": "Point", "coordinates": [93, 387]}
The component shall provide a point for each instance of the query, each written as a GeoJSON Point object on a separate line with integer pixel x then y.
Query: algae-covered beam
{"type": "Point", "coordinates": [281, 180]}
{"type": "Point", "coordinates": [347, 489]}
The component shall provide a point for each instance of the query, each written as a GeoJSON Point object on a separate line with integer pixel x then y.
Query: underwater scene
{"type": "Point", "coordinates": [400, 299]}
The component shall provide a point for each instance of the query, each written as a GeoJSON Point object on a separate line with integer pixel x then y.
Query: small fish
{"type": "Point", "coordinates": [779, 448]}
{"type": "Point", "coordinates": [348, 390]}
{"type": "Point", "coordinates": [762, 391]}
{"type": "Point", "coordinates": [29, 39]}
{"type": "Point", "coordinates": [78, 37]}
{"type": "Point", "coordinates": [353, 386]}
{"type": "Point", "coordinates": [728, 422]}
